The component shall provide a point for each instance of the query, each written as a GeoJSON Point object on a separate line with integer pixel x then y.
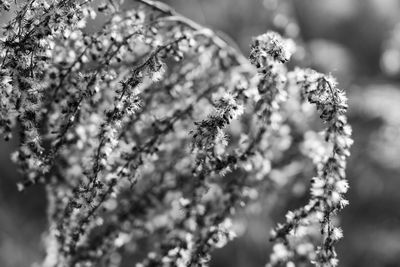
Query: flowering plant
{"type": "Point", "coordinates": [150, 133]}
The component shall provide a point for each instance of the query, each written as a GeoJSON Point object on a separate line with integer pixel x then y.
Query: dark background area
{"type": "Point", "coordinates": [355, 40]}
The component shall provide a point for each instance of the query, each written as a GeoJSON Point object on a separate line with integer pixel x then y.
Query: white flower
{"type": "Point", "coordinates": [341, 186]}
{"type": "Point", "coordinates": [184, 202]}
{"type": "Point", "coordinates": [337, 233]}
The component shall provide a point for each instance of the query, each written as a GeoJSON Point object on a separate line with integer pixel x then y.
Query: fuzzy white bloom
{"type": "Point", "coordinates": [184, 202]}
{"type": "Point", "coordinates": [280, 253]}
{"type": "Point", "coordinates": [342, 186]}
{"type": "Point", "coordinates": [337, 233]}
{"type": "Point", "coordinates": [122, 239]}
{"type": "Point", "coordinates": [274, 45]}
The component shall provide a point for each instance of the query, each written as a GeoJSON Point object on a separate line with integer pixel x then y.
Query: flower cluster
{"type": "Point", "coordinates": [268, 52]}
{"type": "Point", "coordinates": [152, 131]}
{"type": "Point", "coordinates": [328, 187]}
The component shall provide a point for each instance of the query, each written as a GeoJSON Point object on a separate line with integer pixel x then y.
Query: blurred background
{"type": "Point", "coordinates": [358, 41]}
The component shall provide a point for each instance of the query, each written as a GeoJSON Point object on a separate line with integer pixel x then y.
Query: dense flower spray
{"type": "Point", "coordinates": [150, 133]}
